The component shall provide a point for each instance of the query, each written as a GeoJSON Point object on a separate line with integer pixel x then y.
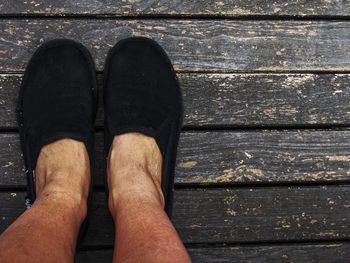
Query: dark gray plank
{"type": "Point", "coordinates": [262, 214]}
{"type": "Point", "coordinates": [288, 253]}
{"type": "Point", "coordinates": [238, 100]}
{"type": "Point", "coordinates": [229, 157]}
{"type": "Point", "coordinates": [195, 45]}
{"type": "Point", "coordinates": [232, 215]}
{"type": "Point", "coordinates": [226, 8]}
{"type": "Point", "coordinates": [263, 156]}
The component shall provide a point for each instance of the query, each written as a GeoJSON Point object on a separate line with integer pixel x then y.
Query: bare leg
{"type": "Point", "coordinates": [144, 233]}
{"type": "Point", "coordinates": [47, 232]}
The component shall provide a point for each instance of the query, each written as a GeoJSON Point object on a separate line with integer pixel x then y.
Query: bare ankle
{"type": "Point", "coordinates": [134, 171]}
{"type": "Point", "coordinates": [66, 201]}
{"type": "Point", "coordinates": [63, 174]}
{"type": "Point", "coordinates": [136, 186]}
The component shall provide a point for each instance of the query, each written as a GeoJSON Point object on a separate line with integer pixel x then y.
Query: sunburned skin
{"type": "Point", "coordinates": [144, 232]}
{"type": "Point", "coordinates": [134, 168]}
{"type": "Point", "coordinates": [48, 230]}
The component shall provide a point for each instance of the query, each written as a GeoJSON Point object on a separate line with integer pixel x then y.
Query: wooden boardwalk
{"type": "Point", "coordinates": [263, 172]}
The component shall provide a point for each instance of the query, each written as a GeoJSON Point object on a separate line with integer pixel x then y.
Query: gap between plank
{"type": "Point", "coordinates": [247, 17]}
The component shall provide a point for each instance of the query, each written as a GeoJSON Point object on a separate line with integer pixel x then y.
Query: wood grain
{"type": "Point", "coordinates": [263, 156]}
{"type": "Point", "coordinates": [226, 8]}
{"type": "Point", "coordinates": [287, 253]}
{"type": "Point", "coordinates": [257, 214]}
{"type": "Point", "coordinates": [237, 100]}
{"type": "Point", "coordinates": [193, 45]}
{"type": "Point", "coordinates": [275, 64]}
{"type": "Point", "coordinates": [229, 157]}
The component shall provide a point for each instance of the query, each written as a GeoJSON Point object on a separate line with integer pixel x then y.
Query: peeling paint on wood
{"type": "Point", "coordinates": [226, 8]}
{"type": "Point", "coordinates": [236, 45]}
{"type": "Point", "coordinates": [238, 100]}
{"type": "Point", "coordinates": [324, 253]}
{"type": "Point", "coordinates": [261, 214]}
{"type": "Point", "coordinates": [276, 253]}
{"type": "Point", "coordinates": [240, 96]}
{"type": "Point", "coordinates": [220, 157]}
{"type": "Point", "coordinates": [187, 164]}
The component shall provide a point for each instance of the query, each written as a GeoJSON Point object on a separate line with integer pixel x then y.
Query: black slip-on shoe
{"type": "Point", "coordinates": [57, 99]}
{"type": "Point", "coordinates": [142, 94]}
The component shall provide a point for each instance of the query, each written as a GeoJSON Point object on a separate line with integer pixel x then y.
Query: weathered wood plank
{"type": "Point", "coordinates": [195, 45]}
{"type": "Point", "coordinates": [226, 8]}
{"type": "Point", "coordinates": [262, 214]}
{"type": "Point", "coordinates": [229, 157]}
{"type": "Point", "coordinates": [288, 253]}
{"type": "Point", "coordinates": [238, 100]}
{"type": "Point", "coordinates": [268, 156]}
{"type": "Point", "coordinates": [232, 215]}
